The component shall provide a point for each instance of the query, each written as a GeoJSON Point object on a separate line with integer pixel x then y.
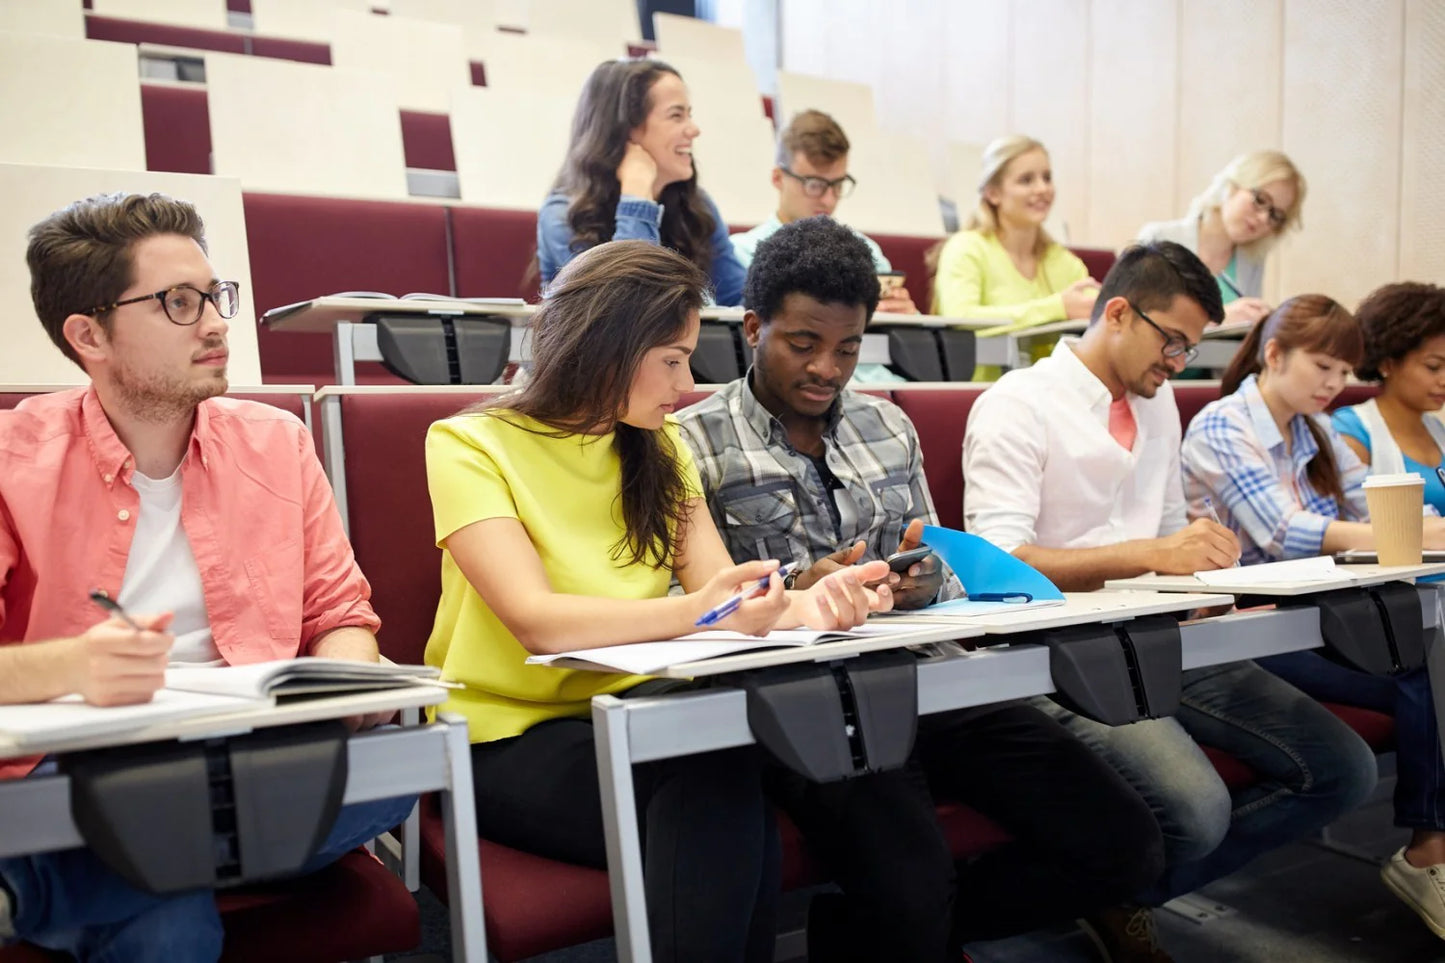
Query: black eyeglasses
{"type": "Point", "coordinates": [1263, 202]}
{"type": "Point", "coordinates": [1175, 346]}
{"type": "Point", "coordinates": [818, 186]}
{"type": "Point", "coordinates": [184, 303]}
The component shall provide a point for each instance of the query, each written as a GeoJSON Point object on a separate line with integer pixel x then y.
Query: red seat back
{"type": "Point", "coordinates": [177, 128]}
{"type": "Point", "coordinates": [940, 415]}
{"type": "Point", "coordinates": [305, 247]}
{"type": "Point", "coordinates": [907, 254]}
{"type": "Point", "coordinates": [426, 139]}
{"type": "Point", "coordinates": [384, 436]}
{"type": "Point", "coordinates": [141, 31]}
{"type": "Point", "coordinates": [494, 250]}
{"type": "Point", "coordinates": [1097, 259]}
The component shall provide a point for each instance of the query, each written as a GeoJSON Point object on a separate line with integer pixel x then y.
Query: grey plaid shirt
{"type": "Point", "coordinates": [768, 500]}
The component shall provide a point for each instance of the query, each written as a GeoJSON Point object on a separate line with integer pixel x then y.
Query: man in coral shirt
{"type": "Point", "coordinates": [207, 518]}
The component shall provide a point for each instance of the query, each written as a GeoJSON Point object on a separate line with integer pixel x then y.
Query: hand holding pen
{"type": "Point", "coordinates": [1214, 517]}
{"type": "Point", "coordinates": [735, 601]}
{"type": "Point", "coordinates": [120, 661]}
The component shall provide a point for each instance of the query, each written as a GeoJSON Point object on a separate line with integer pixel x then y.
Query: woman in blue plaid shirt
{"type": "Point", "coordinates": [1267, 459]}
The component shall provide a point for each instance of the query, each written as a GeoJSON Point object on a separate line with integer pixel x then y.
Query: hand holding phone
{"type": "Point", "coordinates": [901, 561]}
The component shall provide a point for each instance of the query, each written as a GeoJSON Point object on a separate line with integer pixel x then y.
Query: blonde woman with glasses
{"type": "Point", "coordinates": [1232, 226]}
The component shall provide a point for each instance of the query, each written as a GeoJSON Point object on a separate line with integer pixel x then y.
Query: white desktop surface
{"type": "Point", "coordinates": [244, 719]}
{"type": "Point", "coordinates": [907, 635]}
{"type": "Point", "coordinates": [1359, 577]}
{"type": "Point", "coordinates": [322, 315]}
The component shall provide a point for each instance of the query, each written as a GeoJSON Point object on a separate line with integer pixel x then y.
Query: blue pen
{"type": "Point", "coordinates": [1232, 286]}
{"type": "Point", "coordinates": [719, 612]}
{"type": "Point", "coordinates": [1017, 598]}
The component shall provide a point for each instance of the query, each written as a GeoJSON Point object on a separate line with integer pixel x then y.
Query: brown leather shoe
{"type": "Point", "coordinates": [1125, 934]}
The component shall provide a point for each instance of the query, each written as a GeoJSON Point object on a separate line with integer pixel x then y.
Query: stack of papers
{"type": "Point", "coordinates": [1318, 569]}
{"type": "Point", "coordinates": [644, 658]}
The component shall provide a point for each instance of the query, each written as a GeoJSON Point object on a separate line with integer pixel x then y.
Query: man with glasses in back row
{"type": "Point", "coordinates": [208, 519]}
{"type": "Point", "coordinates": [1073, 465]}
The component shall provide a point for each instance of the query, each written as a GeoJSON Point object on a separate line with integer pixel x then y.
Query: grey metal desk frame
{"type": "Point", "coordinates": [630, 731]}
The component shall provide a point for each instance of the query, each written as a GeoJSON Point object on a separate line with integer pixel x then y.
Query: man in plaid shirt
{"type": "Point", "coordinates": [796, 467]}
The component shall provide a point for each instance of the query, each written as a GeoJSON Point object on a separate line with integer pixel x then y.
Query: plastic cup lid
{"type": "Point", "coordinates": [1391, 481]}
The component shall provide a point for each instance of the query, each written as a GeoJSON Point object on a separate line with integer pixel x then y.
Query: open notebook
{"type": "Point", "coordinates": [644, 658]}
{"type": "Point", "coordinates": [197, 692]}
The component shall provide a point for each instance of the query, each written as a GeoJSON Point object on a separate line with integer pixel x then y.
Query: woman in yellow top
{"type": "Point", "coordinates": [564, 511]}
{"type": "Point", "coordinates": [1003, 264]}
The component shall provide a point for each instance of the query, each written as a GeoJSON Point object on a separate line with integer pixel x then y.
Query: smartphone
{"type": "Point", "coordinates": [889, 283]}
{"type": "Point", "coordinates": [901, 561]}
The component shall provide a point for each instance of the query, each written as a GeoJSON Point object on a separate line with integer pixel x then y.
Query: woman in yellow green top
{"type": "Point", "coordinates": [564, 511]}
{"type": "Point", "coordinates": [1003, 264]}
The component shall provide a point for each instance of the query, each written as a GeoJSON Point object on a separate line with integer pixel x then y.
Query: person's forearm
{"type": "Point", "coordinates": [1087, 569]}
{"type": "Point", "coordinates": [1343, 536]}
{"type": "Point", "coordinates": [562, 623]}
{"type": "Point", "coordinates": [350, 642]}
{"type": "Point", "coordinates": [37, 671]}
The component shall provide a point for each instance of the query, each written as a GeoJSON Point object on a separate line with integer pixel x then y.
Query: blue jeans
{"type": "Point", "coordinates": [71, 901]}
{"type": "Point", "coordinates": [1312, 769]}
{"type": "Point", "coordinates": [1420, 769]}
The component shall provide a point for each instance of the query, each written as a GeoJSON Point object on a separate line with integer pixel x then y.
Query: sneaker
{"type": "Point", "coordinates": [1423, 890]}
{"type": "Point", "coordinates": [1125, 934]}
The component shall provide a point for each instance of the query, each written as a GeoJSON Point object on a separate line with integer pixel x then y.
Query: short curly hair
{"type": "Point", "coordinates": [1396, 319]}
{"type": "Point", "coordinates": [818, 257]}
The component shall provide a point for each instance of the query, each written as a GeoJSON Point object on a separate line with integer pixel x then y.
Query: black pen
{"type": "Point", "coordinates": [1440, 474]}
{"type": "Point", "coordinates": [1232, 286]}
{"type": "Point", "coordinates": [112, 607]}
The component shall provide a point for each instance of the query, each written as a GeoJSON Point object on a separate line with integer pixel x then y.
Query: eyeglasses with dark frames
{"type": "Point", "coordinates": [184, 303]}
{"type": "Point", "coordinates": [1263, 202]}
{"type": "Point", "coordinates": [1175, 345]}
{"type": "Point", "coordinates": [818, 186]}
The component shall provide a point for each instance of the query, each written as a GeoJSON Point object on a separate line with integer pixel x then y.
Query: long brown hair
{"type": "Point", "coordinates": [604, 311]}
{"type": "Point", "coordinates": [1312, 322]}
{"type": "Point", "coordinates": [615, 101]}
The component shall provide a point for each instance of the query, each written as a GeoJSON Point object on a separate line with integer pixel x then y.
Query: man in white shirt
{"type": "Point", "coordinates": [1073, 465]}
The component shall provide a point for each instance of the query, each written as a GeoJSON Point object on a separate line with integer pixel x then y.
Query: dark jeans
{"type": "Point", "coordinates": [1420, 770]}
{"type": "Point", "coordinates": [710, 848]}
{"type": "Point", "coordinates": [1082, 838]}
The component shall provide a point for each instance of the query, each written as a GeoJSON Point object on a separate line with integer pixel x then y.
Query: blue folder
{"type": "Point", "coordinates": [987, 570]}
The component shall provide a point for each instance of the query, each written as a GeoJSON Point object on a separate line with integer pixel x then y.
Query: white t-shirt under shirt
{"type": "Point", "coordinates": [1041, 466]}
{"type": "Point", "coordinates": [161, 573]}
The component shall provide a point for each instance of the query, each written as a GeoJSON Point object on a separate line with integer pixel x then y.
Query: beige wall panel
{"type": "Point", "coordinates": [496, 171]}
{"type": "Point", "coordinates": [608, 20]}
{"type": "Point", "coordinates": [1422, 199]}
{"type": "Point", "coordinates": [32, 193]}
{"type": "Point", "coordinates": [1343, 71]}
{"type": "Point", "coordinates": [427, 60]}
{"type": "Point", "coordinates": [72, 103]}
{"type": "Point", "coordinates": [301, 19]}
{"type": "Point", "coordinates": [691, 37]}
{"type": "Point", "coordinates": [896, 193]}
{"type": "Point", "coordinates": [541, 64]}
{"type": "Point", "coordinates": [733, 163]}
{"type": "Point", "coordinates": [851, 104]}
{"type": "Point", "coordinates": [1051, 98]}
{"type": "Point", "coordinates": [1229, 87]}
{"type": "Point", "coordinates": [722, 93]}
{"type": "Point", "coordinates": [210, 14]}
{"type": "Point", "coordinates": [1133, 72]}
{"type": "Point", "coordinates": [58, 18]}
{"type": "Point", "coordinates": [305, 129]}
{"type": "Point", "coordinates": [470, 15]}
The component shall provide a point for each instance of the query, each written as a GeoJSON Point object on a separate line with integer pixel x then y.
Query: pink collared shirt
{"type": "Point", "coordinates": [277, 571]}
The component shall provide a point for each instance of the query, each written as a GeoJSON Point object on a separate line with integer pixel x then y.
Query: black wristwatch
{"type": "Point", "coordinates": [791, 579]}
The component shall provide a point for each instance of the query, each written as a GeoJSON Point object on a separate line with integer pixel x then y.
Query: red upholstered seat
{"type": "Point", "coordinates": [494, 249]}
{"type": "Point", "coordinates": [940, 415]}
{"type": "Point", "coordinates": [305, 247]}
{"type": "Point", "coordinates": [1376, 728]}
{"type": "Point", "coordinates": [427, 140]}
{"type": "Point", "coordinates": [1191, 397]}
{"type": "Point", "coordinates": [1236, 775]}
{"type": "Point", "coordinates": [280, 48]}
{"type": "Point", "coordinates": [177, 128]}
{"type": "Point", "coordinates": [140, 31]}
